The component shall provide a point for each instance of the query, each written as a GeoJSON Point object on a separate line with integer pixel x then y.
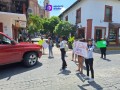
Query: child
{"type": "Point", "coordinates": [89, 61]}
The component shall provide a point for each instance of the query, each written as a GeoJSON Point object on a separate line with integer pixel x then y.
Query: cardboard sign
{"type": "Point", "coordinates": [80, 48]}
{"type": "Point", "coordinates": [45, 45]}
{"type": "Point", "coordinates": [101, 44]}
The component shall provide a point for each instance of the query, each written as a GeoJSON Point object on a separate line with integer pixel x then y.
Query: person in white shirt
{"type": "Point", "coordinates": [89, 61]}
{"type": "Point", "coordinates": [63, 52]}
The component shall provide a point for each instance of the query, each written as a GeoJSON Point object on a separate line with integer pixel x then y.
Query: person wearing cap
{"type": "Point", "coordinates": [89, 61]}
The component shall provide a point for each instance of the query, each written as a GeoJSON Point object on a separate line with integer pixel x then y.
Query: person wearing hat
{"type": "Point", "coordinates": [89, 61]}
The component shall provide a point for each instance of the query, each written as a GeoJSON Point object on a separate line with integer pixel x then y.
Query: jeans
{"type": "Point", "coordinates": [103, 52]}
{"type": "Point", "coordinates": [89, 64]}
{"type": "Point", "coordinates": [63, 58]}
{"type": "Point", "coordinates": [50, 51]}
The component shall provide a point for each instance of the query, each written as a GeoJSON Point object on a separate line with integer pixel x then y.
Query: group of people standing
{"type": "Point", "coordinates": [88, 60]}
{"type": "Point", "coordinates": [50, 44]}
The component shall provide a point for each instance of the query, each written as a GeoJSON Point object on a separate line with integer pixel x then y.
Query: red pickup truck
{"type": "Point", "coordinates": [12, 52]}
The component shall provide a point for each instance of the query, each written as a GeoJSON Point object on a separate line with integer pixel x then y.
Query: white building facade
{"type": "Point", "coordinates": [11, 22]}
{"type": "Point", "coordinates": [95, 19]}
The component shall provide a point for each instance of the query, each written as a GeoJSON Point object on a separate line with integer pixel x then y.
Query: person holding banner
{"type": "Point", "coordinates": [89, 61]}
{"type": "Point", "coordinates": [63, 52]}
{"type": "Point", "coordinates": [80, 61]}
{"type": "Point", "coordinates": [103, 49]}
{"type": "Point", "coordinates": [102, 44]}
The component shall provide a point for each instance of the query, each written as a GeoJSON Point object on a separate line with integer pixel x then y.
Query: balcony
{"type": "Point", "coordinates": [13, 7]}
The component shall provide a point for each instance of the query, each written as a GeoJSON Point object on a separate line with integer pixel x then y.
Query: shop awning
{"type": "Point", "coordinates": [114, 25]}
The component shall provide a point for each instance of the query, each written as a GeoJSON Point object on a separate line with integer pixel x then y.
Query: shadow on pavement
{"type": "Point", "coordinates": [96, 86]}
{"type": "Point", "coordinates": [107, 60]}
{"type": "Point", "coordinates": [65, 72]}
{"type": "Point", "coordinates": [93, 84]}
{"type": "Point", "coordinates": [80, 76]}
{"type": "Point", "coordinates": [10, 70]}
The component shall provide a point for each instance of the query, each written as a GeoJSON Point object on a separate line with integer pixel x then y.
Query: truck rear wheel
{"type": "Point", "coordinates": [30, 59]}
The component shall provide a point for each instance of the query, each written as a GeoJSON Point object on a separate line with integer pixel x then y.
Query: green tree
{"type": "Point", "coordinates": [35, 23]}
{"type": "Point", "coordinates": [63, 28]}
{"type": "Point", "coordinates": [53, 22]}
{"type": "Point", "coordinates": [46, 25]}
{"type": "Point", "coordinates": [49, 24]}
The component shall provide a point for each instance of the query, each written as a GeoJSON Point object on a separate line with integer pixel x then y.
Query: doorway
{"type": "Point", "coordinates": [113, 36]}
{"type": "Point", "coordinates": [81, 33]}
{"type": "Point", "coordinates": [100, 32]}
{"type": "Point", "coordinates": [15, 32]}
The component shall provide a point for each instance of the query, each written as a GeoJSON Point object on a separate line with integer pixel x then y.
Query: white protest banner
{"type": "Point", "coordinates": [45, 45]}
{"type": "Point", "coordinates": [81, 48]}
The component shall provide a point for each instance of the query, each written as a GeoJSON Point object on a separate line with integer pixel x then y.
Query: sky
{"type": "Point", "coordinates": [64, 3]}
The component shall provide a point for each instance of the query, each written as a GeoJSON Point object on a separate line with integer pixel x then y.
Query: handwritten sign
{"type": "Point", "coordinates": [80, 48]}
{"type": "Point", "coordinates": [45, 45]}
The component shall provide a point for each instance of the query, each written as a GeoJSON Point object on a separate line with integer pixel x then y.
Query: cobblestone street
{"type": "Point", "coordinates": [46, 75]}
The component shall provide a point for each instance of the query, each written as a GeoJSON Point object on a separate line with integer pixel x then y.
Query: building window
{"type": "Point", "coordinates": [108, 13]}
{"type": "Point", "coordinates": [78, 15]}
{"type": "Point", "coordinates": [66, 18]}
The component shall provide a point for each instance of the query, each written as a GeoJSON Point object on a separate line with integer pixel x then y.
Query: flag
{"type": "Point", "coordinates": [101, 44]}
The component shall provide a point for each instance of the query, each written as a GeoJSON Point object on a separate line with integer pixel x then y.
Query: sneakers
{"type": "Point", "coordinates": [86, 77]}
{"type": "Point", "coordinates": [91, 80]}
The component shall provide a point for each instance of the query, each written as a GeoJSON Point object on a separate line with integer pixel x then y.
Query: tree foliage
{"type": "Point", "coordinates": [63, 28]}
{"type": "Point", "coordinates": [35, 23]}
{"type": "Point", "coordinates": [49, 24]}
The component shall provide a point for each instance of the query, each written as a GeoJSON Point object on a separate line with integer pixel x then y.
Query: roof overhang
{"type": "Point", "coordinates": [114, 25]}
{"type": "Point", "coordinates": [13, 15]}
{"type": "Point", "coordinates": [69, 7]}
{"type": "Point", "coordinates": [20, 19]}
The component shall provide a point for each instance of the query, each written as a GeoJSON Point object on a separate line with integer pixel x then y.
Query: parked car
{"type": "Point", "coordinates": [12, 52]}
